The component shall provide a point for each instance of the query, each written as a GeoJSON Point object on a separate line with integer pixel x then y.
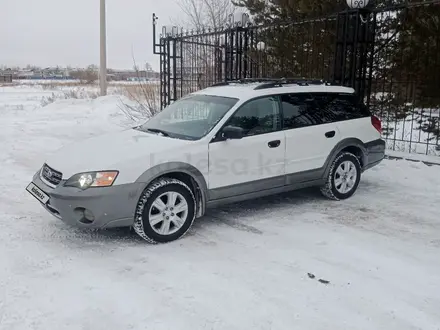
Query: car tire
{"type": "Point", "coordinates": [165, 211]}
{"type": "Point", "coordinates": [343, 178]}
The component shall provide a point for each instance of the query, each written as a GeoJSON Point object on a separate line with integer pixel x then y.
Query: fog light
{"type": "Point", "coordinates": [89, 215]}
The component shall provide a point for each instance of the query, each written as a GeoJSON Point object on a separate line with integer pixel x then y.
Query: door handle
{"type": "Point", "coordinates": [274, 144]}
{"type": "Point", "coordinates": [330, 134]}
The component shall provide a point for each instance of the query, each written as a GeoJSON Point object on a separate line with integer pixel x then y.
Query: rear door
{"type": "Point", "coordinates": [309, 136]}
{"type": "Point", "coordinates": [352, 117]}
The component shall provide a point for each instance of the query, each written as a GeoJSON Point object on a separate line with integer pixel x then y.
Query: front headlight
{"type": "Point", "coordinates": [92, 179]}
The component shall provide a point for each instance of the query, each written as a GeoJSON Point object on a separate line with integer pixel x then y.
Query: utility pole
{"type": "Point", "coordinates": [103, 46]}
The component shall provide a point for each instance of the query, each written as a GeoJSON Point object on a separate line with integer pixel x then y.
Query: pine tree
{"type": "Point", "coordinates": [273, 11]}
{"type": "Point", "coordinates": [293, 47]}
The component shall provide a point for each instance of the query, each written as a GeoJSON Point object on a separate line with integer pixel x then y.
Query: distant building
{"type": "Point", "coordinates": [6, 75]}
{"type": "Point", "coordinates": [5, 78]}
{"type": "Point", "coordinates": [131, 75]}
{"type": "Point", "coordinates": [56, 73]}
{"type": "Point", "coordinates": [24, 74]}
{"type": "Point", "coordinates": [48, 73]}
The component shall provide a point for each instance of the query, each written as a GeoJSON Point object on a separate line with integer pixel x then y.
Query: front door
{"type": "Point", "coordinates": [255, 162]}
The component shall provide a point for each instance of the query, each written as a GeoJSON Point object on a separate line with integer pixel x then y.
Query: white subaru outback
{"type": "Point", "coordinates": [227, 143]}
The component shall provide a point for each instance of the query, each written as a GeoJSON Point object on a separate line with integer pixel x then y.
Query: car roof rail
{"type": "Point", "coordinates": [224, 83]}
{"type": "Point", "coordinates": [273, 82]}
{"type": "Point", "coordinates": [244, 81]}
{"type": "Point", "coordinates": [292, 81]}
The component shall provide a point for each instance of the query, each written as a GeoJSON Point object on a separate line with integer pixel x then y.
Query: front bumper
{"type": "Point", "coordinates": [111, 206]}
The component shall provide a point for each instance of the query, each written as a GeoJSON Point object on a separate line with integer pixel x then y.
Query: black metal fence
{"type": "Point", "coordinates": [389, 54]}
{"type": "Point", "coordinates": [405, 90]}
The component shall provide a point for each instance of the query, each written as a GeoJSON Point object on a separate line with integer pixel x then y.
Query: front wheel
{"type": "Point", "coordinates": [343, 178]}
{"type": "Point", "coordinates": [165, 211]}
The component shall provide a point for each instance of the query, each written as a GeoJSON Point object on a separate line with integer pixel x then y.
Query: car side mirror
{"type": "Point", "coordinates": [232, 132]}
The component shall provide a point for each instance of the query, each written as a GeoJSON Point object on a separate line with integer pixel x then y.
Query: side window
{"type": "Point", "coordinates": [339, 107]}
{"type": "Point", "coordinates": [258, 116]}
{"type": "Point", "coordinates": [299, 110]}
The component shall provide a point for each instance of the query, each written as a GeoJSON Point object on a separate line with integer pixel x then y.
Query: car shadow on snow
{"type": "Point", "coordinates": [271, 203]}
{"type": "Point", "coordinates": [368, 185]}
{"type": "Point", "coordinates": [73, 234]}
{"type": "Point", "coordinates": [247, 215]}
{"type": "Point", "coordinates": [244, 215]}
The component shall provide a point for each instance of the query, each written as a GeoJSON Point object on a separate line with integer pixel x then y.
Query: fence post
{"type": "Point", "coordinates": [354, 50]}
{"type": "Point", "coordinates": [168, 63]}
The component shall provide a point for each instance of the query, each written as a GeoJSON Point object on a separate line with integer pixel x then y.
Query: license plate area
{"type": "Point", "coordinates": [39, 194]}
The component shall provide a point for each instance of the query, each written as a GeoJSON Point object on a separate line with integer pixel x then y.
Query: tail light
{"type": "Point", "coordinates": [377, 124]}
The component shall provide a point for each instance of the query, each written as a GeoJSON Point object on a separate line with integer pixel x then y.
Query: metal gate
{"type": "Point", "coordinates": [389, 54]}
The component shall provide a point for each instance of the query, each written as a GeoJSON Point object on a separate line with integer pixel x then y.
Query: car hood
{"type": "Point", "coordinates": [105, 152]}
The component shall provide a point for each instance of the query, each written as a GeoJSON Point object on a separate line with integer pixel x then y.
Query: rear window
{"type": "Point", "coordinates": [339, 107]}
{"type": "Point", "coordinates": [300, 110]}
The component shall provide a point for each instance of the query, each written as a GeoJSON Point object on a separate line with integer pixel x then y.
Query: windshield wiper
{"type": "Point", "coordinates": [156, 130]}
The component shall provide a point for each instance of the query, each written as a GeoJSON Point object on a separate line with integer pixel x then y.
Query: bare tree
{"type": "Point", "coordinates": [86, 76]}
{"type": "Point", "coordinates": [144, 94]}
{"type": "Point", "coordinates": [205, 13]}
{"type": "Point", "coordinates": [199, 16]}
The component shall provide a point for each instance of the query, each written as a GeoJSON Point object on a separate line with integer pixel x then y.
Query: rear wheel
{"type": "Point", "coordinates": [343, 178]}
{"type": "Point", "coordinates": [165, 211]}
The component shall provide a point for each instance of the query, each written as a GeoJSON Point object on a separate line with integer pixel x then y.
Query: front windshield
{"type": "Point", "coordinates": [191, 117]}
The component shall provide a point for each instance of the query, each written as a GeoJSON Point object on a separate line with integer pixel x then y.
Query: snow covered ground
{"type": "Point", "coordinates": [243, 266]}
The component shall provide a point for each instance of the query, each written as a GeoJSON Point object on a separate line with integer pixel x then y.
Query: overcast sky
{"type": "Point", "coordinates": [63, 32]}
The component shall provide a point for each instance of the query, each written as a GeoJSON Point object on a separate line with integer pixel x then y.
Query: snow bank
{"type": "Point", "coordinates": [46, 129]}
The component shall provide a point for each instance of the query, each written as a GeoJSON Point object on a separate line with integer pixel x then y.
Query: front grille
{"type": "Point", "coordinates": [51, 176]}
